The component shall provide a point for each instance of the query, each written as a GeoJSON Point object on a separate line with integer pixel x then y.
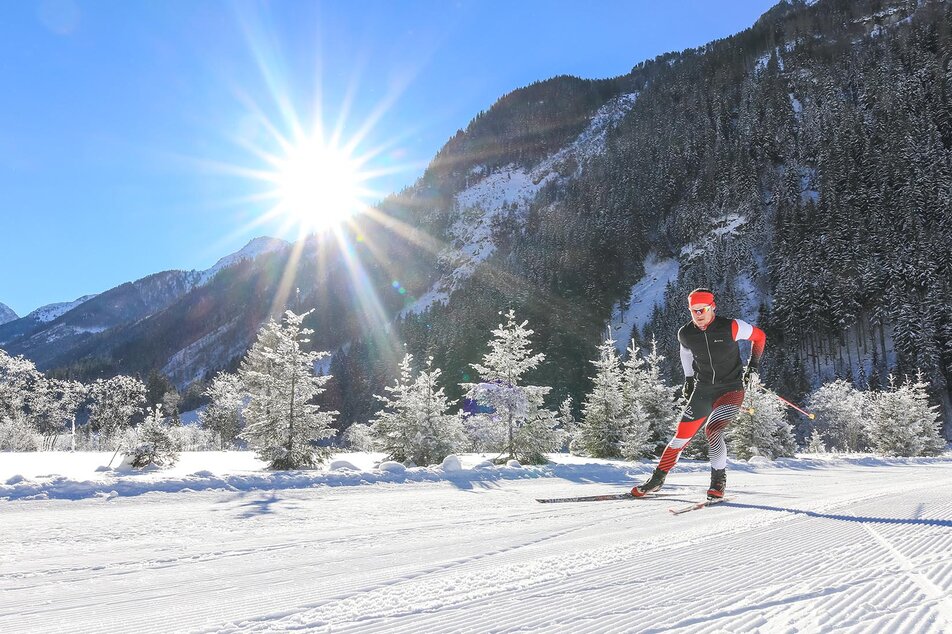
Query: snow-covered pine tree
{"type": "Point", "coordinates": [224, 413]}
{"type": "Point", "coordinates": [61, 400]}
{"type": "Point", "coordinates": [815, 443]}
{"type": "Point", "coordinates": [155, 444]}
{"type": "Point", "coordinates": [604, 415]}
{"type": "Point", "coordinates": [113, 405]}
{"type": "Point", "coordinates": [903, 423]}
{"type": "Point", "coordinates": [763, 431]}
{"type": "Point", "coordinates": [415, 424]}
{"type": "Point", "coordinates": [528, 430]}
{"type": "Point", "coordinates": [567, 423]}
{"type": "Point", "coordinates": [282, 423]}
{"type": "Point", "coordinates": [643, 386]}
{"type": "Point", "coordinates": [359, 437]}
{"type": "Point", "coordinates": [841, 412]}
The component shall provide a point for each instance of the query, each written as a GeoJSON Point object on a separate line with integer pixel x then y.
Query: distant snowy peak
{"type": "Point", "coordinates": [7, 314]}
{"type": "Point", "coordinates": [52, 311]}
{"type": "Point", "coordinates": [258, 246]}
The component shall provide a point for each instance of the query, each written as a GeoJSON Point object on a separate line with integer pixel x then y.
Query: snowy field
{"type": "Point", "coordinates": [816, 544]}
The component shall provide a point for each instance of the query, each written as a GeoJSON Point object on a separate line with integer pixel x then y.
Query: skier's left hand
{"type": "Point", "coordinates": [750, 377]}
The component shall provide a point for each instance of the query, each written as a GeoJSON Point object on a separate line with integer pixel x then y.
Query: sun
{"type": "Point", "coordinates": [318, 185]}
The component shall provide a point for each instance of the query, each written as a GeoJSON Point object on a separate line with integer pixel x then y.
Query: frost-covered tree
{"type": "Point", "coordinates": [903, 423]}
{"type": "Point", "coordinates": [761, 428]}
{"type": "Point", "coordinates": [526, 429]}
{"type": "Point", "coordinates": [605, 417]}
{"type": "Point", "coordinates": [653, 405]}
{"type": "Point", "coordinates": [567, 423]}
{"type": "Point", "coordinates": [113, 405]}
{"type": "Point", "coordinates": [56, 413]}
{"type": "Point", "coordinates": [155, 443]}
{"type": "Point", "coordinates": [415, 423]}
{"type": "Point", "coordinates": [224, 413]}
{"type": "Point", "coordinates": [282, 422]}
{"type": "Point", "coordinates": [359, 437]}
{"type": "Point", "coordinates": [841, 412]}
{"type": "Point", "coordinates": [20, 383]}
{"type": "Point", "coordinates": [815, 443]}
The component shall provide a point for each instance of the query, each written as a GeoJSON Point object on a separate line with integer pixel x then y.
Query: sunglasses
{"type": "Point", "coordinates": [702, 310]}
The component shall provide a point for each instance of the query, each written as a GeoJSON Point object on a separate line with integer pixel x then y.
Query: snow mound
{"type": "Point", "coordinates": [341, 465]}
{"type": "Point", "coordinates": [17, 479]}
{"type": "Point", "coordinates": [452, 463]}
{"type": "Point", "coordinates": [392, 466]}
{"type": "Point", "coordinates": [515, 464]}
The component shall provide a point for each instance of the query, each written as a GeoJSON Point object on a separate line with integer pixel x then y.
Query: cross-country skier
{"type": "Point", "coordinates": [714, 384]}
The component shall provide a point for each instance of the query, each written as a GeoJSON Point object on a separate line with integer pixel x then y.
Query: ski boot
{"type": "Point", "coordinates": [653, 484]}
{"type": "Point", "coordinates": [718, 484]}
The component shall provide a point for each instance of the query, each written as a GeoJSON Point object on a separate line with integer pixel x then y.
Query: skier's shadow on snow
{"type": "Point", "coordinates": [846, 518]}
{"type": "Point", "coordinates": [262, 506]}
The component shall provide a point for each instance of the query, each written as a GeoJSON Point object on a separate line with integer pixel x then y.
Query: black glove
{"type": "Point", "coordinates": [688, 388]}
{"type": "Point", "coordinates": [750, 377]}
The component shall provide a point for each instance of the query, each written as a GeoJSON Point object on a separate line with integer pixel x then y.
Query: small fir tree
{"type": "Point", "coordinates": [415, 424]}
{"type": "Point", "coordinates": [155, 444]}
{"type": "Point", "coordinates": [114, 405]}
{"type": "Point", "coordinates": [841, 411]}
{"type": "Point", "coordinates": [282, 422]}
{"type": "Point", "coordinates": [644, 389]}
{"type": "Point", "coordinates": [761, 428]}
{"type": "Point", "coordinates": [526, 429]}
{"type": "Point", "coordinates": [903, 423]}
{"type": "Point", "coordinates": [604, 415]}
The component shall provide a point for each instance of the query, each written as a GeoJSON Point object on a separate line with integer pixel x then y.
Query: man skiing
{"type": "Point", "coordinates": [714, 384]}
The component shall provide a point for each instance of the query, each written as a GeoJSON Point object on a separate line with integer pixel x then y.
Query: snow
{"type": "Point", "coordinates": [818, 543]}
{"type": "Point", "coordinates": [7, 314]}
{"type": "Point", "coordinates": [52, 311]}
{"type": "Point", "coordinates": [725, 225]}
{"type": "Point", "coordinates": [513, 189]}
{"type": "Point", "coordinates": [647, 293]}
{"type": "Point", "coordinates": [250, 251]}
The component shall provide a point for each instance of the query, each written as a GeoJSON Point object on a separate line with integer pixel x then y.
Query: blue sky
{"type": "Point", "coordinates": [129, 128]}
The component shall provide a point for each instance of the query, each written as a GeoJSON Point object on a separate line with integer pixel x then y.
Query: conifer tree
{"type": "Point", "coordinates": [283, 425]}
{"type": "Point", "coordinates": [644, 387]}
{"type": "Point", "coordinates": [605, 418]}
{"type": "Point", "coordinates": [114, 405]}
{"type": "Point", "coordinates": [761, 429]}
{"type": "Point", "coordinates": [903, 423]}
{"type": "Point", "coordinates": [526, 429]}
{"type": "Point", "coordinates": [415, 424]}
{"type": "Point", "coordinates": [155, 443]}
{"type": "Point", "coordinates": [841, 411]}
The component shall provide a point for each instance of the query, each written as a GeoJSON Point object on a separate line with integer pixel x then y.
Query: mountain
{"type": "Point", "coordinates": [61, 334]}
{"type": "Point", "coordinates": [6, 314]}
{"type": "Point", "coordinates": [800, 168]}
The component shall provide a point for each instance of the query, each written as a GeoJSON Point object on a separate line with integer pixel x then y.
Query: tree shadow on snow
{"type": "Point", "coordinates": [259, 507]}
{"type": "Point", "coordinates": [846, 518]}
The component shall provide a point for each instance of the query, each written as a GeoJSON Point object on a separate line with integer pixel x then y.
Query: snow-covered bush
{"type": "Point", "coordinates": [16, 434]}
{"type": "Point", "coordinates": [415, 423]}
{"type": "Point", "coordinates": [359, 437]}
{"type": "Point", "coordinates": [155, 444]}
{"type": "Point", "coordinates": [903, 423]}
{"type": "Point", "coordinates": [841, 414]}
{"type": "Point", "coordinates": [282, 423]}
{"type": "Point", "coordinates": [224, 413]}
{"type": "Point", "coordinates": [525, 429]}
{"type": "Point", "coordinates": [114, 403]}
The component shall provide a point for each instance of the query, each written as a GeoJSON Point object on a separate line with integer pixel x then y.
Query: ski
{"type": "Point", "coordinates": [697, 505]}
{"type": "Point", "coordinates": [596, 498]}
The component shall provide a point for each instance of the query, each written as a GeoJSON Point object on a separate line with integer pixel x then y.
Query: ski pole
{"type": "Point", "coordinates": [789, 404]}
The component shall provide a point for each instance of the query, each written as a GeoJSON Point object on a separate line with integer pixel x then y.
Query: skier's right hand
{"type": "Point", "coordinates": [688, 388]}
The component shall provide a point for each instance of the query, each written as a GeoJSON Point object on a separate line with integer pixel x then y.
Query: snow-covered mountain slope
{"type": "Point", "coordinates": [250, 251]}
{"type": "Point", "coordinates": [7, 314]}
{"type": "Point", "coordinates": [52, 311]}
{"type": "Point", "coordinates": [512, 190]}
{"type": "Point", "coordinates": [818, 544]}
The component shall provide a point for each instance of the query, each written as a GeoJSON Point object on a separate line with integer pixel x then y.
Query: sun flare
{"type": "Point", "coordinates": [318, 186]}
